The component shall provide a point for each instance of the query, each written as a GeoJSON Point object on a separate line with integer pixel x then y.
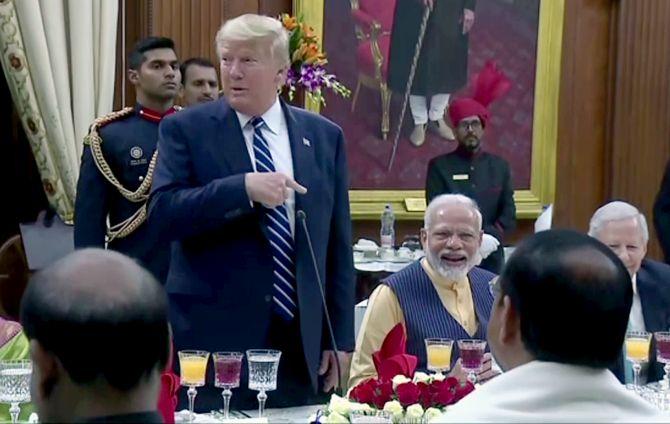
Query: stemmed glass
{"type": "Point", "coordinates": [193, 364]}
{"type": "Point", "coordinates": [637, 351]}
{"type": "Point", "coordinates": [438, 353]}
{"type": "Point", "coordinates": [263, 366]}
{"type": "Point", "coordinates": [227, 367]}
{"type": "Point", "coordinates": [472, 357]}
{"type": "Point", "coordinates": [663, 356]}
{"type": "Point", "coordinates": [15, 385]}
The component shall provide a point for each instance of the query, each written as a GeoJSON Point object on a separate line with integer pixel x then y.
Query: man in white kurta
{"type": "Point", "coordinates": [558, 320]}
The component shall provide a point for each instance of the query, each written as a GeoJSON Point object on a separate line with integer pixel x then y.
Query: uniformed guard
{"type": "Point", "coordinates": [118, 161]}
{"type": "Point", "coordinates": [469, 170]}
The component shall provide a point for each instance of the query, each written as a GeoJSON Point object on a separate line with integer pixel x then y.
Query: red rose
{"type": "Point", "coordinates": [408, 393]}
{"type": "Point", "coordinates": [451, 382]}
{"type": "Point", "coordinates": [463, 390]}
{"type": "Point", "coordinates": [445, 396]}
{"type": "Point", "coordinates": [364, 391]}
{"type": "Point", "coordinates": [383, 393]}
{"type": "Point", "coordinates": [425, 395]}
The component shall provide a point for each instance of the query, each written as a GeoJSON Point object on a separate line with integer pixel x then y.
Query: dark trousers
{"type": "Point", "coordinates": [294, 386]}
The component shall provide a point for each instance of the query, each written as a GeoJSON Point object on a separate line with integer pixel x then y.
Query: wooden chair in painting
{"type": "Point", "coordinates": [373, 20]}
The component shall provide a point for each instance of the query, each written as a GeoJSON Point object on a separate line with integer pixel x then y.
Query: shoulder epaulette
{"type": "Point", "coordinates": [104, 120]}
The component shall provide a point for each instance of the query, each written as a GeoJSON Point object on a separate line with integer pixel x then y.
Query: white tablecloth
{"type": "Point", "coordinates": [298, 414]}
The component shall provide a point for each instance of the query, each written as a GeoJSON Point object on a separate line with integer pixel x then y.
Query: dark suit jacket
{"type": "Point", "coordinates": [662, 214]}
{"type": "Point", "coordinates": [221, 258]}
{"type": "Point", "coordinates": [653, 285]}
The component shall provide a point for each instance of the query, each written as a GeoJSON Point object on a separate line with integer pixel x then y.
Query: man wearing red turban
{"type": "Point", "coordinates": [469, 170]}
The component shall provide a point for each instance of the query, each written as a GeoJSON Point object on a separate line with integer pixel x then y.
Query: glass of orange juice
{"type": "Point", "coordinates": [193, 364]}
{"type": "Point", "coordinates": [438, 353]}
{"type": "Point", "coordinates": [637, 351]}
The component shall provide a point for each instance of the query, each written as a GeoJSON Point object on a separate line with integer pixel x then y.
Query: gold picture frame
{"type": "Point", "coordinates": [410, 204]}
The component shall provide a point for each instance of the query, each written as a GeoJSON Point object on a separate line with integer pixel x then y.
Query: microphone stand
{"type": "Point", "coordinates": [303, 219]}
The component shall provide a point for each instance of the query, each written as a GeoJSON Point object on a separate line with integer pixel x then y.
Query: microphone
{"type": "Point", "coordinates": [303, 219]}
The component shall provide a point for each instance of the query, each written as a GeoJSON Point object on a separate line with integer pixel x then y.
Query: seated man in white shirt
{"type": "Point", "coordinates": [559, 319]}
{"type": "Point", "coordinates": [622, 228]}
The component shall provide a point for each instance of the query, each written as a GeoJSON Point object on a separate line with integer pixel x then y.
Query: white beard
{"type": "Point", "coordinates": [450, 273]}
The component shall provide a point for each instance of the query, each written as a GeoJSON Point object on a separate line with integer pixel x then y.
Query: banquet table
{"type": "Point", "coordinates": [297, 414]}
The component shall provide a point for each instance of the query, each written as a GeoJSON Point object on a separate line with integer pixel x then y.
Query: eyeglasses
{"type": "Point", "coordinates": [465, 125]}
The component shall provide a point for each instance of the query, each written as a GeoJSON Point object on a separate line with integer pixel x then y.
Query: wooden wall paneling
{"type": "Point", "coordinates": [274, 7]}
{"type": "Point", "coordinates": [234, 8]}
{"type": "Point", "coordinates": [583, 112]}
{"type": "Point", "coordinates": [641, 115]}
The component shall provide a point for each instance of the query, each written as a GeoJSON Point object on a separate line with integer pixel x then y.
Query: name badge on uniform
{"type": "Point", "coordinates": [136, 153]}
{"type": "Point", "coordinates": [461, 177]}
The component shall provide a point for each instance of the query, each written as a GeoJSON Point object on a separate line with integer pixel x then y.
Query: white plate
{"type": "Point", "coordinates": [365, 248]}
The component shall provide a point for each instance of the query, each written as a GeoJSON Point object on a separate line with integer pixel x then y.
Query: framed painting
{"type": "Point", "coordinates": [522, 36]}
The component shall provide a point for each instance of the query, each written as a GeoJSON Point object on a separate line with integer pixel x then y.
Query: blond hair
{"type": "Point", "coordinates": [252, 27]}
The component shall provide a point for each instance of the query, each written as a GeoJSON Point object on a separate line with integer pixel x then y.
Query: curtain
{"type": "Point", "coordinates": [58, 57]}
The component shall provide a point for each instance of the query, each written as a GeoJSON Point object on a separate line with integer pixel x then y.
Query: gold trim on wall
{"type": "Point", "coordinates": [408, 204]}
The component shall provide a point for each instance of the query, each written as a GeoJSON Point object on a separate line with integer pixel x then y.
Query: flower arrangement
{"type": "Point", "coordinates": [308, 62]}
{"type": "Point", "coordinates": [415, 399]}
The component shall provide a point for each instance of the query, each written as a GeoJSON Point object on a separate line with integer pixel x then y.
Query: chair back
{"type": "Point", "coordinates": [381, 11]}
{"type": "Point", "coordinates": [14, 275]}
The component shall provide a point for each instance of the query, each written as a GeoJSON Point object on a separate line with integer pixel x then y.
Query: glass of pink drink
{"type": "Point", "coordinates": [663, 355]}
{"type": "Point", "coordinates": [227, 367]}
{"type": "Point", "coordinates": [472, 356]}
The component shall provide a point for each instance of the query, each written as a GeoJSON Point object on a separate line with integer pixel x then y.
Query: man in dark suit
{"type": "Point", "coordinates": [232, 180]}
{"type": "Point", "coordinates": [469, 170]}
{"type": "Point", "coordinates": [117, 162]}
{"type": "Point", "coordinates": [623, 228]}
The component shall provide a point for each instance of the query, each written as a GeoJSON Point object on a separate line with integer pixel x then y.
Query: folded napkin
{"type": "Point", "coordinates": [391, 359]}
{"type": "Point", "coordinates": [167, 399]}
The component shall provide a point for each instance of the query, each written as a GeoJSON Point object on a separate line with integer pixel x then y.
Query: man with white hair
{"type": "Point", "coordinates": [443, 295]}
{"type": "Point", "coordinates": [234, 179]}
{"type": "Point", "coordinates": [622, 227]}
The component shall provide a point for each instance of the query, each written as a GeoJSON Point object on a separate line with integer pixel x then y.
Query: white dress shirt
{"type": "Point", "coordinates": [552, 392]}
{"type": "Point", "coordinates": [636, 319]}
{"type": "Point", "coordinates": [636, 323]}
{"type": "Point", "coordinates": [275, 133]}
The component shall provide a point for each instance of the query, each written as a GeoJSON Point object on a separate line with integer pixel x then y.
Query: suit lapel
{"type": "Point", "coordinates": [302, 152]}
{"type": "Point", "coordinates": [653, 319]}
{"type": "Point", "coordinates": [303, 171]}
{"type": "Point", "coordinates": [231, 144]}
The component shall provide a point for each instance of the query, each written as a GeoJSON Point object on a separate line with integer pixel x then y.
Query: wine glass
{"type": "Point", "coordinates": [193, 364]}
{"type": "Point", "coordinates": [227, 367]}
{"type": "Point", "coordinates": [438, 353]}
{"type": "Point", "coordinates": [472, 356]}
{"type": "Point", "coordinates": [263, 366]}
{"type": "Point", "coordinates": [637, 351]}
{"type": "Point", "coordinates": [663, 356]}
{"type": "Point", "coordinates": [15, 385]}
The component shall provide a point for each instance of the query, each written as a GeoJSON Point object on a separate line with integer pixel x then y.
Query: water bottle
{"type": "Point", "coordinates": [387, 233]}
